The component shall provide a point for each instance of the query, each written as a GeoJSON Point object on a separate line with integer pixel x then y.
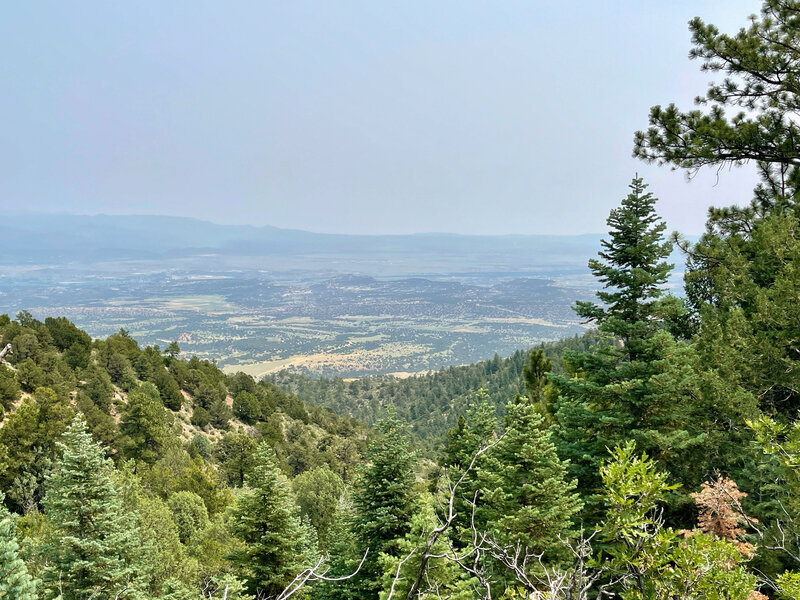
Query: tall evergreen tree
{"type": "Point", "coordinates": [15, 581]}
{"type": "Point", "coordinates": [641, 384]}
{"type": "Point", "coordinates": [96, 546]}
{"type": "Point", "coordinates": [474, 430]}
{"type": "Point", "coordinates": [607, 390]}
{"type": "Point", "coordinates": [266, 519]}
{"type": "Point", "coordinates": [384, 501]}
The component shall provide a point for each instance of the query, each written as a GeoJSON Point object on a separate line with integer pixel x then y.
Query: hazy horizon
{"type": "Point", "coordinates": [57, 213]}
{"type": "Point", "coordinates": [353, 118]}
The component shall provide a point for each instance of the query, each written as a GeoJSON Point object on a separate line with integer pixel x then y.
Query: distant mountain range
{"type": "Point", "coordinates": [58, 239]}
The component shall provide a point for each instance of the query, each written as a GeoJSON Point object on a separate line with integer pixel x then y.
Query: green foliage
{"type": "Point", "coordinates": [97, 385]}
{"type": "Point", "coordinates": [202, 478]}
{"type": "Point", "coordinates": [199, 446]}
{"type": "Point", "coordinates": [168, 388]}
{"type": "Point", "coordinates": [246, 407]}
{"type": "Point", "coordinates": [384, 501]}
{"type": "Point", "coordinates": [633, 271]}
{"type": "Point", "coordinates": [789, 585]}
{"type": "Point", "coordinates": [220, 414]}
{"type": "Point", "coordinates": [30, 375]}
{"type": "Point", "coordinates": [633, 487]}
{"type": "Point", "coordinates": [265, 518]}
{"type": "Point", "coordinates": [102, 426]}
{"type": "Point", "coordinates": [759, 86]}
{"type": "Point", "coordinates": [172, 350]}
{"type": "Point", "coordinates": [28, 443]}
{"type": "Point", "coordinates": [173, 495]}
{"type": "Point", "coordinates": [534, 374]}
{"type": "Point", "coordinates": [451, 581]}
{"type": "Point", "coordinates": [781, 442]}
{"type": "Point", "coordinates": [189, 514]}
{"type": "Point", "coordinates": [200, 417]}
{"type": "Point", "coordinates": [78, 355]}
{"type": "Point", "coordinates": [432, 403]}
{"type": "Point", "coordinates": [608, 392]}
{"type": "Point", "coordinates": [15, 581]}
{"type": "Point", "coordinates": [65, 334]}
{"type": "Point", "coordinates": [476, 429]}
{"type": "Point", "coordinates": [120, 370]}
{"type": "Point", "coordinates": [743, 286]}
{"type": "Point", "coordinates": [144, 425]}
{"type": "Point", "coordinates": [653, 562]}
{"type": "Point", "coordinates": [236, 456]}
{"type": "Point", "coordinates": [241, 382]}
{"type": "Point", "coordinates": [96, 544]}
{"type": "Point", "coordinates": [741, 279]}
{"type": "Point", "coordinates": [642, 383]}
{"type": "Point", "coordinates": [319, 493]}
{"type": "Point", "coordinates": [525, 496]}
{"type": "Point", "coordinates": [9, 388]}
{"type": "Point", "coordinates": [163, 553]}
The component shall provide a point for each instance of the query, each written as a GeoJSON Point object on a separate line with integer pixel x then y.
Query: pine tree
{"type": "Point", "coordinates": [534, 373]}
{"type": "Point", "coordinates": [748, 115]}
{"type": "Point", "coordinates": [535, 376]}
{"type": "Point", "coordinates": [144, 425]}
{"type": "Point", "coordinates": [474, 431]}
{"type": "Point", "coordinates": [741, 280]}
{"type": "Point", "coordinates": [15, 582]}
{"type": "Point", "coordinates": [345, 554]}
{"type": "Point", "coordinates": [266, 520]}
{"type": "Point", "coordinates": [525, 495]}
{"type": "Point", "coordinates": [384, 501]}
{"type": "Point", "coordinates": [95, 544]}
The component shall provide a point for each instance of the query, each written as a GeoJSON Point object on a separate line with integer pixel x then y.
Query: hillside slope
{"type": "Point", "coordinates": [184, 418]}
{"type": "Point", "coordinates": [430, 403]}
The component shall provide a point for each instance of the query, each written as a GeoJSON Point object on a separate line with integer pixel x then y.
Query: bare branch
{"type": "Point", "coordinates": [314, 574]}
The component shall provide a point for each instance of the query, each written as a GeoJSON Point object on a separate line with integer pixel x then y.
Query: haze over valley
{"type": "Point", "coordinates": [261, 299]}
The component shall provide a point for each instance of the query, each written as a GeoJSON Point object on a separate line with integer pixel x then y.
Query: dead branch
{"type": "Point", "coordinates": [316, 574]}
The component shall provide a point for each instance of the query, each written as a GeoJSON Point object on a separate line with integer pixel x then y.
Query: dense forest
{"type": "Point", "coordinates": [656, 459]}
{"type": "Point", "coordinates": [431, 403]}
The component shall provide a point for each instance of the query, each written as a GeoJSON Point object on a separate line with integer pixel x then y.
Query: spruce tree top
{"type": "Point", "coordinates": [632, 266]}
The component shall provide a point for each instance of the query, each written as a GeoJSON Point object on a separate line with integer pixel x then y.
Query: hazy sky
{"type": "Point", "coordinates": [359, 117]}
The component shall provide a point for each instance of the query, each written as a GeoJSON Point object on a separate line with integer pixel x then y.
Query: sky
{"type": "Point", "coordinates": [479, 117]}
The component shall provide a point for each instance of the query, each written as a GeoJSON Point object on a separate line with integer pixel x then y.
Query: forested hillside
{"type": "Point", "coordinates": [181, 439]}
{"type": "Point", "coordinates": [431, 403]}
